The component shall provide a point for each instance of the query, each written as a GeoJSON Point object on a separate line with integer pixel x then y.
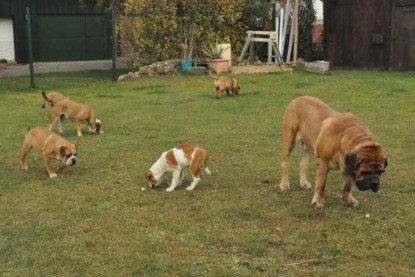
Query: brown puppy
{"type": "Point", "coordinates": [55, 97]}
{"type": "Point", "coordinates": [69, 109]}
{"type": "Point", "coordinates": [225, 83]}
{"type": "Point", "coordinates": [51, 145]}
{"type": "Point", "coordinates": [339, 140]}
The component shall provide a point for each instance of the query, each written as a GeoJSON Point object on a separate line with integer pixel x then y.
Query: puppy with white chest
{"type": "Point", "coordinates": [176, 160]}
{"type": "Point", "coordinates": [51, 145]}
{"type": "Point", "coordinates": [225, 83]}
{"type": "Point", "coordinates": [69, 109]}
{"type": "Point", "coordinates": [55, 97]}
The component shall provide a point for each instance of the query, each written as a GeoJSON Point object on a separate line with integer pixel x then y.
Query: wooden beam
{"type": "Point", "coordinates": [297, 13]}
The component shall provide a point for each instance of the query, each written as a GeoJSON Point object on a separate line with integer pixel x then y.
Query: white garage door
{"type": "Point", "coordinates": [6, 39]}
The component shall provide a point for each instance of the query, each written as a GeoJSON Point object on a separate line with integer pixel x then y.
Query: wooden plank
{"type": "Point", "coordinates": [261, 39]}
{"type": "Point", "coordinates": [400, 3]}
{"type": "Point", "coordinates": [403, 41]}
{"type": "Point", "coordinates": [262, 32]}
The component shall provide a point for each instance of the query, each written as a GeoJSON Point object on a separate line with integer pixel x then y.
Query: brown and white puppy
{"type": "Point", "coordinates": [51, 145]}
{"type": "Point", "coordinates": [55, 97]}
{"type": "Point", "coordinates": [339, 140]}
{"type": "Point", "coordinates": [225, 83]}
{"type": "Point", "coordinates": [69, 109]}
{"type": "Point", "coordinates": [176, 160]}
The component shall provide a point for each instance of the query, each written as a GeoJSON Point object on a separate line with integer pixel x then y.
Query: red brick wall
{"type": "Point", "coordinates": [125, 36]}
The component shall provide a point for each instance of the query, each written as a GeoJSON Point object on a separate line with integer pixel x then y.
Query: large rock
{"type": "Point", "coordinates": [322, 67]}
{"type": "Point", "coordinates": [158, 68]}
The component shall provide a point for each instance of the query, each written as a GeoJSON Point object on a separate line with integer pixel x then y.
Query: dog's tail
{"type": "Point", "coordinates": [46, 99]}
{"type": "Point", "coordinates": [207, 171]}
{"type": "Point", "coordinates": [210, 73]}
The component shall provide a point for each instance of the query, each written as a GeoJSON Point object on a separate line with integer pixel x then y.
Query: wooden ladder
{"type": "Point", "coordinates": [261, 36]}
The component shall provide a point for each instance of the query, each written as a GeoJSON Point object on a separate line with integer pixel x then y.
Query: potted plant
{"type": "Point", "coordinates": [187, 39]}
{"type": "Point", "coordinates": [187, 52]}
{"type": "Point", "coordinates": [214, 53]}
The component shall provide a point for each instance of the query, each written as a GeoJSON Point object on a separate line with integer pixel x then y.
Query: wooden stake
{"type": "Point", "coordinates": [297, 13]}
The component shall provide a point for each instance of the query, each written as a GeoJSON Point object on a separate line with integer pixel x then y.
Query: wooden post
{"type": "Point", "coordinates": [297, 13]}
{"type": "Point", "coordinates": [114, 45]}
{"type": "Point", "coordinates": [251, 50]}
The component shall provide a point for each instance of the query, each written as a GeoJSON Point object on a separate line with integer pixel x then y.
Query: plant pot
{"type": "Point", "coordinates": [186, 64]}
{"type": "Point", "coordinates": [219, 65]}
{"type": "Point", "coordinates": [227, 52]}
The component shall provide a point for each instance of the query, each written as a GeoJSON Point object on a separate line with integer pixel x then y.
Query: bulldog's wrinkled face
{"type": "Point", "coordinates": [367, 170]}
{"type": "Point", "coordinates": [95, 127]}
{"type": "Point", "coordinates": [68, 154]}
{"type": "Point", "coordinates": [368, 180]}
{"type": "Point", "coordinates": [152, 181]}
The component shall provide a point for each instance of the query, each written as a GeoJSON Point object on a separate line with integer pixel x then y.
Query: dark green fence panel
{"type": "Point", "coordinates": [71, 38]}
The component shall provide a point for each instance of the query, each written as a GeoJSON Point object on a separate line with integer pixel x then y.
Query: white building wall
{"type": "Point", "coordinates": [6, 39]}
{"type": "Point", "coordinates": [318, 6]}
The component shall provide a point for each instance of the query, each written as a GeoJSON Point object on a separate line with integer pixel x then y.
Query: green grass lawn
{"type": "Point", "coordinates": [95, 219]}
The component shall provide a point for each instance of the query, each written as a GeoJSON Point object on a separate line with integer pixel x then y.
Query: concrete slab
{"type": "Point", "coordinates": [262, 68]}
{"type": "Point", "coordinates": [12, 70]}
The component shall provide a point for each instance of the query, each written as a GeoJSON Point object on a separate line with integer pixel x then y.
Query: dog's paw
{"type": "Point", "coordinates": [189, 188]}
{"type": "Point", "coordinates": [284, 186]}
{"type": "Point", "coordinates": [169, 189]}
{"type": "Point", "coordinates": [53, 175]}
{"type": "Point", "coordinates": [305, 185]}
{"type": "Point", "coordinates": [317, 202]}
{"type": "Point", "coordinates": [350, 201]}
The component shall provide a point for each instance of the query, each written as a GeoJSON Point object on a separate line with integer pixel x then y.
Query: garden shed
{"type": "Point", "coordinates": [370, 33]}
{"type": "Point", "coordinates": [61, 31]}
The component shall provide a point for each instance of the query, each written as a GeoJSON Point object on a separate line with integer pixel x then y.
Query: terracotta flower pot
{"type": "Point", "coordinates": [219, 65]}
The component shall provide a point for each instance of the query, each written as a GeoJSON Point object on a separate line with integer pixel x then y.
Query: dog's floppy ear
{"type": "Point", "coordinates": [351, 162]}
{"type": "Point", "coordinates": [62, 151]}
{"type": "Point", "coordinates": [148, 175]}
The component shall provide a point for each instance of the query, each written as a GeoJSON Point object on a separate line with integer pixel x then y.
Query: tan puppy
{"type": "Point", "coordinates": [339, 140]}
{"type": "Point", "coordinates": [55, 97]}
{"type": "Point", "coordinates": [51, 145]}
{"type": "Point", "coordinates": [69, 109]}
{"type": "Point", "coordinates": [176, 160]}
{"type": "Point", "coordinates": [225, 83]}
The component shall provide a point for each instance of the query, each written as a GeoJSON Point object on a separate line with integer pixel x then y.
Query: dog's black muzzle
{"type": "Point", "coordinates": [368, 181]}
{"type": "Point", "coordinates": [71, 161]}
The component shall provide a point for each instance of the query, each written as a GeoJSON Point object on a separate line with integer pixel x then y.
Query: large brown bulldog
{"type": "Point", "coordinates": [339, 140]}
{"type": "Point", "coordinates": [51, 145]}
